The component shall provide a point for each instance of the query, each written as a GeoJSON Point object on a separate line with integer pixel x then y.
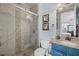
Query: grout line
{"type": "Point", "coordinates": [7, 39]}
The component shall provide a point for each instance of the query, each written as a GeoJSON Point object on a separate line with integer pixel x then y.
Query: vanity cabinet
{"type": "Point", "coordinates": [73, 52]}
{"type": "Point", "coordinates": [61, 50]}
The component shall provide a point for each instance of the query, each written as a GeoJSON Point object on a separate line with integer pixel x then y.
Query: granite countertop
{"type": "Point", "coordinates": [74, 43]}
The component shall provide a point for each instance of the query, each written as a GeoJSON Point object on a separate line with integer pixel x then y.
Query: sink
{"type": "Point", "coordinates": [68, 43]}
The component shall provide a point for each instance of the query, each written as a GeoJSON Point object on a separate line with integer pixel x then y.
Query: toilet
{"type": "Point", "coordinates": [44, 50]}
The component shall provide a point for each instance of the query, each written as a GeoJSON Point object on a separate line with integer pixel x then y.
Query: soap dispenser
{"type": "Point", "coordinates": [57, 37]}
{"type": "Point", "coordinates": [68, 38]}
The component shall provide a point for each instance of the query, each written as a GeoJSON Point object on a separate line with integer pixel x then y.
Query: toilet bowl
{"type": "Point", "coordinates": [44, 49]}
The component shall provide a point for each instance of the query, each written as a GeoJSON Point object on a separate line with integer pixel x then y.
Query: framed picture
{"type": "Point", "coordinates": [45, 24]}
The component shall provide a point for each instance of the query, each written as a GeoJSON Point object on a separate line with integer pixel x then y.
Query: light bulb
{"type": "Point", "coordinates": [60, 9]}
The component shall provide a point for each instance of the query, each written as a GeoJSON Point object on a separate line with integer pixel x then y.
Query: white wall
{"type": "Point", "coordinates": [47, 8]}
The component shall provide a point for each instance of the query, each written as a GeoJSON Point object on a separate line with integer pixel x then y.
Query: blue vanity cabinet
{"type": "Point", "coordinates": [57, 53]}
{"type": "Point", "coordinates": [60, 50]}
{"type": "Point", "coordinates": [73, 52]}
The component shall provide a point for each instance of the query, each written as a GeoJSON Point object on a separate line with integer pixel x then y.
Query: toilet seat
{"type": "Point", "coordinates": [39, 52]}
{"type": "Point", "coordinates": [43, 50]}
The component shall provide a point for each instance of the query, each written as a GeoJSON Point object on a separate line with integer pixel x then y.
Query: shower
{"type": "Point", "coordinates": [18, 29]}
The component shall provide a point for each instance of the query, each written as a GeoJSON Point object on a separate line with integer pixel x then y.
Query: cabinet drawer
{"type": "Point", "coordinates": [73, 52]}
{"type": "Point", "coordinates": [59, 47]}
{"type": "Point", "coordinates": [57, 53]}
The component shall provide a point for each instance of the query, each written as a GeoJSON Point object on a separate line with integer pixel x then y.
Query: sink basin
{"type": "Point", "coordinates": [68, 43]}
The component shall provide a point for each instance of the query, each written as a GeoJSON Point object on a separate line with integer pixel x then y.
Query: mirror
{"type": "Point", "coordinates": [66, 19]}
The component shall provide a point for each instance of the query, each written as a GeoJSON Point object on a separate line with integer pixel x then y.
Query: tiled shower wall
{"type": "Point", "coordinates": [18, 33]}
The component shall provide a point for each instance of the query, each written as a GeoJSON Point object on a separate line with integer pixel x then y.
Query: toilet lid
{"type": "Point", "coordinates": [39, 52]}
{"type": "Point", "coordinates": [45, 44]}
